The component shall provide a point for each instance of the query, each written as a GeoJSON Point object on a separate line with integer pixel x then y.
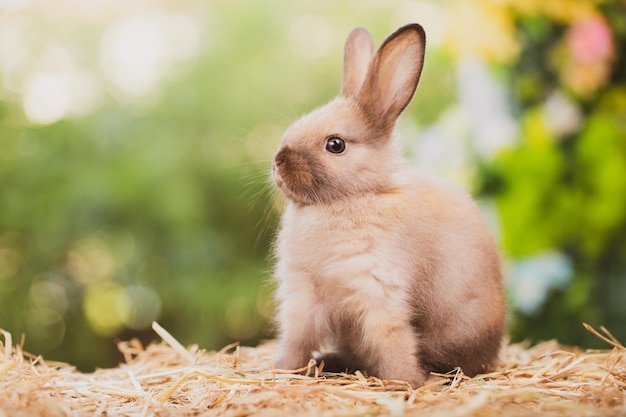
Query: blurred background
{"type": "Point", "coordinates": [135, 140]}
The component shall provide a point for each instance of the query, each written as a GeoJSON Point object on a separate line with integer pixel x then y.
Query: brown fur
{"type": "Point", "coordinates": [379, 267]}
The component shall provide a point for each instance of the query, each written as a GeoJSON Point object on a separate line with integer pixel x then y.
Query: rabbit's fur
{"type": "Point", "coordinates": [387, 270]}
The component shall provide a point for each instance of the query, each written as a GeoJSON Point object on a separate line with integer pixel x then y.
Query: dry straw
{"type": "Point", "coordinates": [168, 379]}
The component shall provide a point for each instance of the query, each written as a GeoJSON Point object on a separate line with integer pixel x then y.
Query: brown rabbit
{"type": "Point", "coordinates": [389, 270]}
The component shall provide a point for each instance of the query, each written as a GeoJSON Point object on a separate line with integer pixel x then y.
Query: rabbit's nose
{"type": "Point", "coordinates": [279, 159]}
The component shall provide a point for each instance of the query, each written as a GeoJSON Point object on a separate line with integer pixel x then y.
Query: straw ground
{"type": "Point", "coordinates": [167, 379]}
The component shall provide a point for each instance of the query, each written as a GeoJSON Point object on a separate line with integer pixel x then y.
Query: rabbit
{"type": "Point", "coordinates": [378, 266]}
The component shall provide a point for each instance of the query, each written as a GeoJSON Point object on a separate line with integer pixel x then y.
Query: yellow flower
{"type": "Point", "coordinates": [564, 11]}
{"type": "Point", "coordinates": [484, 29]}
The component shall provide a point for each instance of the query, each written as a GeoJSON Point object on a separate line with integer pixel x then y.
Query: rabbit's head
{"type": "Point", "coordinates": [344, 148]}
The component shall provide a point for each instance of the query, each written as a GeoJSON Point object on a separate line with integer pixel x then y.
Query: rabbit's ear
{"type": "Point", "coordinates": [357, 55]}
{"type": "Point", "coordinates": [393, 76]}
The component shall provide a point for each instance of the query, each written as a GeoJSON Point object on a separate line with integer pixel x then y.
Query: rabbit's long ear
{"type": "Point", "coordinates": [357, 55]}
{"type": "Point", "coordinates": [393, 76]}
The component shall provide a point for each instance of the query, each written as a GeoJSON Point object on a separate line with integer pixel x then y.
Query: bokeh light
{"type": "Point", "coordinates": [107, 307]}
{"type": "Point", "coordinates": [138, 51]}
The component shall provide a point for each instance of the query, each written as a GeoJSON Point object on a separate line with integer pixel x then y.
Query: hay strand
{"type": "Point", "coordinates": [167, 379]}
{"type": "Point", "coordinates": [170, 340]}
{"type": "Point", "coordinates": [607, 337]}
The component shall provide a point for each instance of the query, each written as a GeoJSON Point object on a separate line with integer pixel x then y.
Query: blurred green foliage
{"type": "Point", "coordinates": [564, 185]}
{"type": "Point", "coordinates": [152, 200]}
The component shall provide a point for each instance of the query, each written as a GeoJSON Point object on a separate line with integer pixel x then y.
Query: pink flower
{"type": "Point", "coordinates": [590, 40]}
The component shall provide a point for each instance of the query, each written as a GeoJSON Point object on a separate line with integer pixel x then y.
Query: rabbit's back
{"type": "Point", "coordinates": [460, 308]}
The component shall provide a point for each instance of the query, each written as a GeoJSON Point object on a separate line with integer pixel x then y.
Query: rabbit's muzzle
{"type": "Point", "coordinates": [295, 174]}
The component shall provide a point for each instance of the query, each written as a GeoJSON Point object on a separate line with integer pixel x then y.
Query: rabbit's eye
{"type": "Point", "coordinates": [335, 144]}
